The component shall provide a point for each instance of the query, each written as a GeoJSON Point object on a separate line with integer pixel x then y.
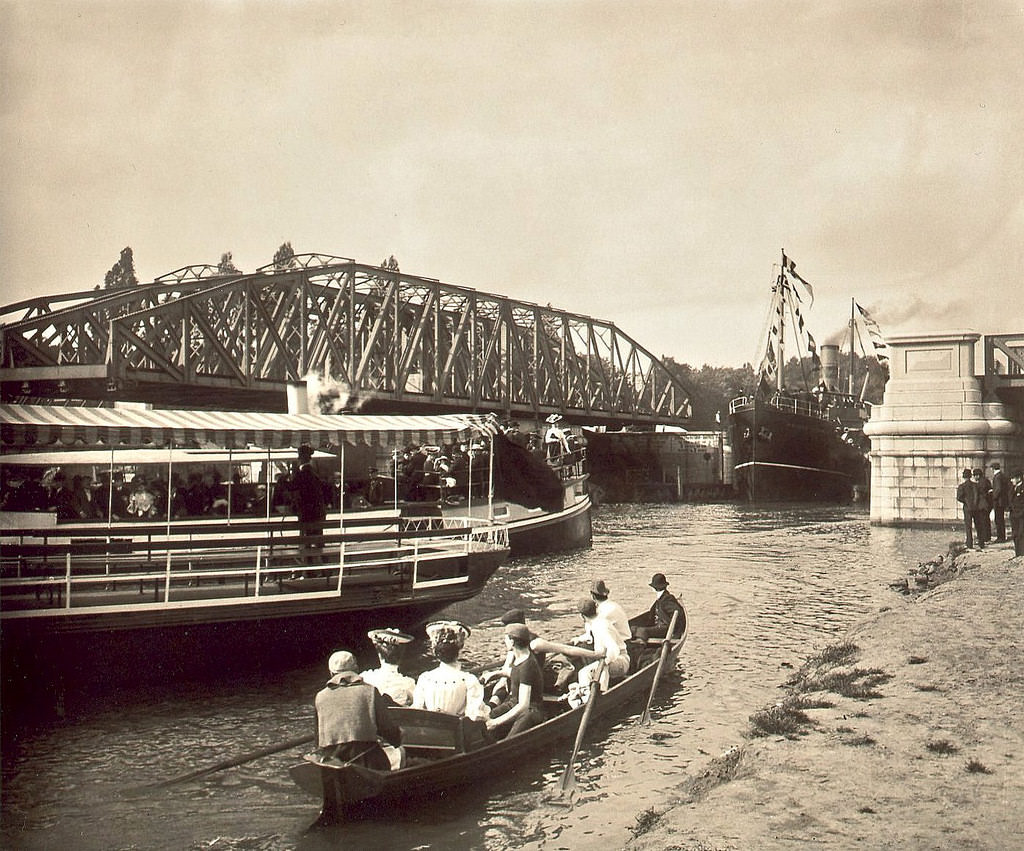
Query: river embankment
{"type": "Point", "coordinates": [908, 733]}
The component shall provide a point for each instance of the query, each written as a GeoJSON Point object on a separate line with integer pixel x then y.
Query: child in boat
{"type": "Point", "coordinates": [447, 688]}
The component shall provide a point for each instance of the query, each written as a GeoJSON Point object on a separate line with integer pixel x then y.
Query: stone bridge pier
{"type": "Point", "coordinates": [934, 421]}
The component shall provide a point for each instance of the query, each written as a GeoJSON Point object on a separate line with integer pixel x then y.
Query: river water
{"type": "Point", "coordinates": [765, 587]}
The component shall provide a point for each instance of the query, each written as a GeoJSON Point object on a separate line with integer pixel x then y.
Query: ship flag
{"type": "Point", "coordinates": [789, 266]}
{"type": "Point", "coordinates": [874, 334]}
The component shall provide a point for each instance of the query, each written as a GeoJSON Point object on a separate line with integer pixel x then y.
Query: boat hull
{"type": "Point", "coordinates": [51, 649]}
{"type": "Point", "coordinates": [534, 531]}
{"type": "Point", "coordinates": [788, 455]}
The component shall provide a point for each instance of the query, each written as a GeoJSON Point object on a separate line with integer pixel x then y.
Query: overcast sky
{"type": "Point", "coordinates": [641, 163]}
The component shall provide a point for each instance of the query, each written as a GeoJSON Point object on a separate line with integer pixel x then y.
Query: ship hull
{"type": "Point", "coordinates": [792, 455]}
{"type": "Point", "coordinates": [46, 653]}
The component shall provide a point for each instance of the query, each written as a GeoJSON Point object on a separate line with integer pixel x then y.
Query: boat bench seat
{"type": "Point", "coordinates": [436, 734]}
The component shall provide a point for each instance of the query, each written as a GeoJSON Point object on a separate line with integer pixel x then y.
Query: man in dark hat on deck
{"type": "Point", "coordinates": [307, 497]}
{"type": "Point", "coordinates": [654, 622]}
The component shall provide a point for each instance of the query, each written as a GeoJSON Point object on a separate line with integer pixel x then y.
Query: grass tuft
{"type": "Point", "coordinates": [784, 719]}
{"type": "Point", "coordinates": [942, 746]}
{"type": "Point", "coordinates": [645, 821]}
{"type": "Point", "coordinates": [858, 741]}
{"type": "Point", "coordinates": [917, 660]}
{"type": "Point", "coordinates": [975, 767]}
{"type": "Point", "coordinates": [857, 683]}
{"type": "Point", "coordinates": [866, 810]}
{"type": "Point", "coordinates": [927, 688]}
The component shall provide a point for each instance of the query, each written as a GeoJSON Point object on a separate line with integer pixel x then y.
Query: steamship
{"type": "Point", "coordinates": [798, 445]}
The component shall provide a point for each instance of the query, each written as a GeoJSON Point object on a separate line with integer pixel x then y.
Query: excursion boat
{"type": "Point", "coordinates": [445, 752]}
{"type": "Point", "coordinates": [791, 444]}
{"type": "Point", "coordinates": [239, 584]}
{"type": "Point", "coordinates": [543, 502]}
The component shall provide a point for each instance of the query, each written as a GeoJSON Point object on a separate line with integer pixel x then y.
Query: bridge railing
{"type": "Point", "coordinates": [1004, 355]}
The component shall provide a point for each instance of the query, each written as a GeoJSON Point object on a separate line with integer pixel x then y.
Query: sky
{"type": "Point", "coordinates": [642, 163]}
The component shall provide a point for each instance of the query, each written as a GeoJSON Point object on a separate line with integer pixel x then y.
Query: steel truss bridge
{"type": "Point", "coordinates": [375, 338]}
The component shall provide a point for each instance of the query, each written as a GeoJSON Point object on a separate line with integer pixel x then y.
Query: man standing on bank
{"type": "Point", "coordinates": [1000, 500]}
{"type": "Point", "coordinates": [654, 623]}
{"type": "Point", "coordinates": [967, 496]}
{"type": "Point", "coordinates": [1017, 512]}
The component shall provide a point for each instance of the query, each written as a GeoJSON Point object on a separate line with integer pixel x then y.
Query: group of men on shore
{"type": "Point", "coordinates": [353, 723]}
{"type": "Point", "coordinates": [986, 503]}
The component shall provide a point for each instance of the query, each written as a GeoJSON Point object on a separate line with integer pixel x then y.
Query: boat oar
{"type": "Point", "coordinates": [666, 644]}
{"type": "Point", "coordinates": [239, 760]}
{"type": "Point", "coordinates": [569, 775]}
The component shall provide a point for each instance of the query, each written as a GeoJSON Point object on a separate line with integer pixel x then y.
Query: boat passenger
{"type": "Point", "coordinates": [555, 442]}
{"type": "Point", "coordinates": [524, 707]}
{"type": "Point", "coordinates": [557, 667]}
{"type": "Point", "coordinates": [395, 686]}
{"type": "Point", "coordinates": [609, 609]}
{"type": "Point", "coordinates": [309, 505]}
{"type": "Point", "coordinates": [350, 716]}
{"type": "Point", "coordinates": [654, 622]}
{"type": "Point", "coordinates": [447, 688]}
{"type": "Point", "coordinates": [608, 645]}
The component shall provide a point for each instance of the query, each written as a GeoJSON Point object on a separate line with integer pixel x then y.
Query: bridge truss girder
{"type": "Point", "coordinates": [376, 337]}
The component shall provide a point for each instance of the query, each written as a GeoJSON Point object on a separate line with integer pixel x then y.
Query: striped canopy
{"type": "Point", "coordinates": [30, 426]}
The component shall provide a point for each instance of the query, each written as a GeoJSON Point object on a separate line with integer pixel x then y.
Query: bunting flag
{"type": "Point", "coordinates": [812, 347]}
{"type": "Point", "coordinates": [874, 334]}
{"type": "Point", "coordinates": [790, 267]}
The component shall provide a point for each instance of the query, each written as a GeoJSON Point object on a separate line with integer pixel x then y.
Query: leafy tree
{"type": "Point", "coordinates": [711, 389]}
{"type": "Point", "coordinates": [227, 265]}
{"type": "Point", "coordinates": [122, 273]}
{"type": "Point", "coordinates": [285, 257]}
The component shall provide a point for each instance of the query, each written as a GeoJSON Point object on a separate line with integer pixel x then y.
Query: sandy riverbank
{"type": "Point", "coordinates": [934, 760]}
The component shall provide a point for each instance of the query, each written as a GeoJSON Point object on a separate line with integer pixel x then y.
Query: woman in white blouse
{"type": "Point", "coordinates": [447, 688]}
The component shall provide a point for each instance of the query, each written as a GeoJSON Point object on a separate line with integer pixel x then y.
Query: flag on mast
{"type": "Point", "coordinates": [788, 265]}
{"type": "Point", "coordinates": [874, 334]}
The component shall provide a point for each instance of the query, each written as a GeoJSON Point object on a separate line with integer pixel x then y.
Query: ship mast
{"type": "Point", "coordinates": [853, 330]}
{"type": "Point", "coordinates": [781, 318]}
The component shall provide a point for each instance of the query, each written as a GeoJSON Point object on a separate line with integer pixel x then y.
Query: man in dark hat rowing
{"type": "Point", "coordinates": [654, 622]}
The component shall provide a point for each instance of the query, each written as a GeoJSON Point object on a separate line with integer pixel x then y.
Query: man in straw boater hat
{"type": "Point", "coordinates": [654, 622]}
{"type": "Point", "coordinates": [447, 688]}
{"type": "Point", "coordinates": [350, 716]}
{"type": "Point", "coordinates": [395, 686]}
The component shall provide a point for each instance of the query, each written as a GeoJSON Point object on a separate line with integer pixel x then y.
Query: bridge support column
{"type": "Point", "coordinates": [933, 423]}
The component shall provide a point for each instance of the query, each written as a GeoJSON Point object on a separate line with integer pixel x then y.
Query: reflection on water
{"type": "Point", "coordinates": [764, 588]}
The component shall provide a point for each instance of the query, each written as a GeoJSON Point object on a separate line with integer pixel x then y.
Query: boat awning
{"type": "Point", "coordinates": [132, 455]}
{"type": "Point", "coordinates": [27, 426]}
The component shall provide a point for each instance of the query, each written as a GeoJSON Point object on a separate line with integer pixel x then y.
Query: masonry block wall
{"type": "Point", "coordinates": [932, 424]}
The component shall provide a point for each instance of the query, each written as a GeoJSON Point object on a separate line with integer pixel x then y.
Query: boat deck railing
{"type": "Point", "coordinates": [65, 569]}
{"type": "Point", "coordinates": [790, 404]}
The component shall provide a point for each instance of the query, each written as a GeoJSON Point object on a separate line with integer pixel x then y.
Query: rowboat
{"type": "Point", "coordinates": [445, 752]}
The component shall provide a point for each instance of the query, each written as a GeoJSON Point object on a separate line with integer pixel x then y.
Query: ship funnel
{"type": "Point", "coordinates": [830, 366]}
{"type": "Point", "coordinates": [298, 397]}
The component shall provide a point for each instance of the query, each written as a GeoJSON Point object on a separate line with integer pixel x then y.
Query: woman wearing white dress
{"type": "Point", "coordinates": [447, 688]}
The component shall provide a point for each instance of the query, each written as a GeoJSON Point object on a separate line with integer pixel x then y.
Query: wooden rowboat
{"type": "Point", "coordinates": [446, 752]}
